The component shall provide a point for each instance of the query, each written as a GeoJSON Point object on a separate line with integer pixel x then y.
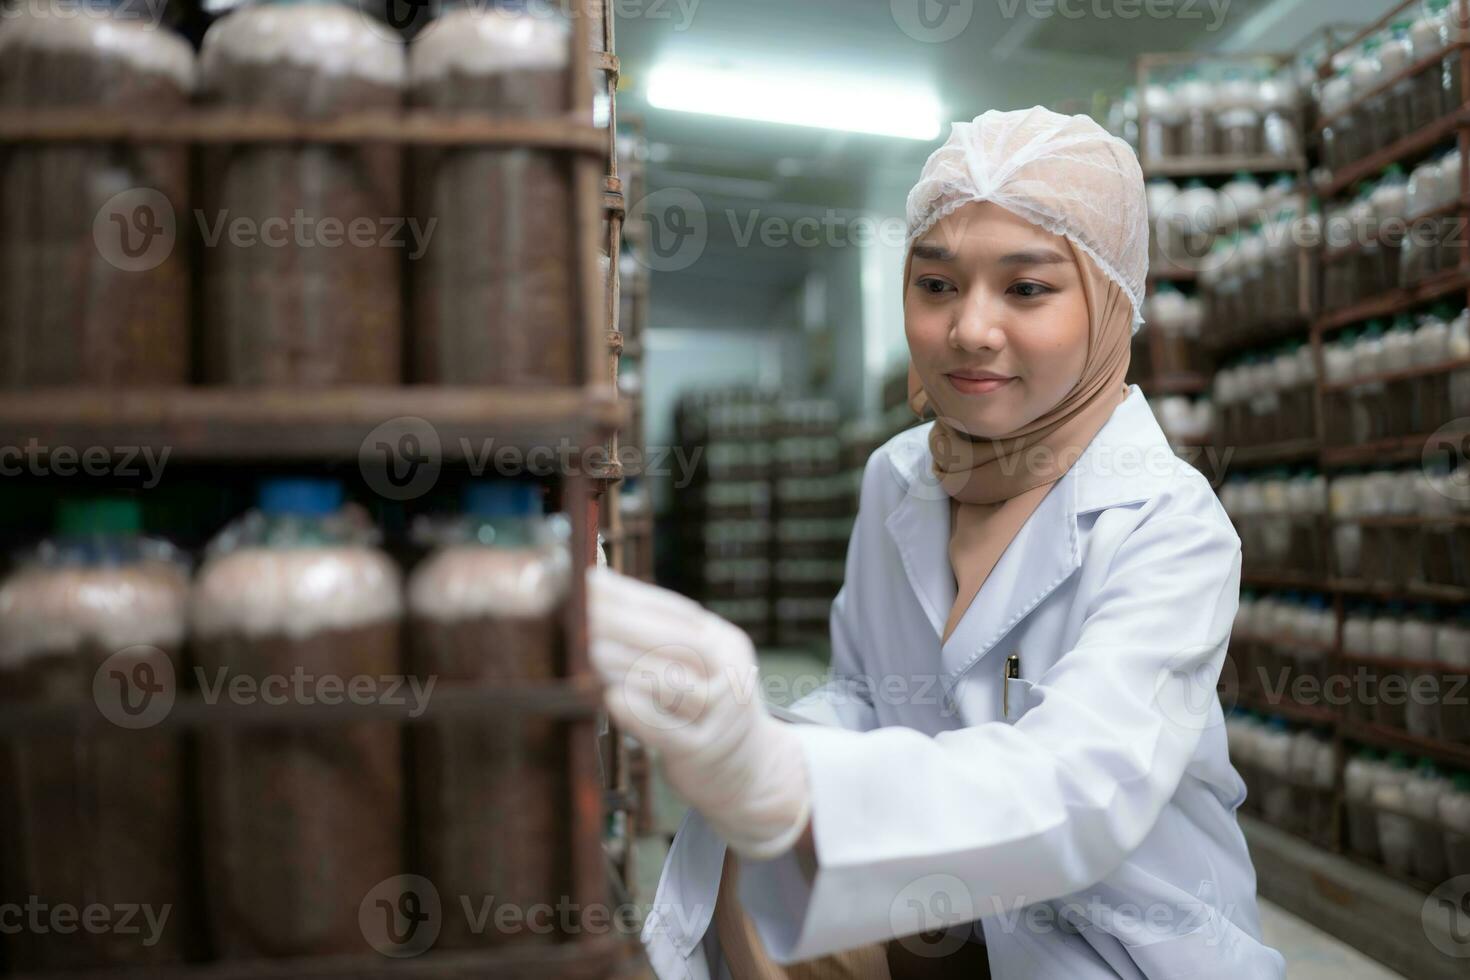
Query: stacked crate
{"type": "Point", "coordinates": [723, 517]}
{"type": "Point", "coordinates": [813, 506]}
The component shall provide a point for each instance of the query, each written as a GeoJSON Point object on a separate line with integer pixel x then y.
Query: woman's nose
{"type": "Point", "coordinates": [977, 326]}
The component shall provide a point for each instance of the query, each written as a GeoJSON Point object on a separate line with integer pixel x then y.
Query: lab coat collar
{"type": "Point", "coordinates": [1128, 461]}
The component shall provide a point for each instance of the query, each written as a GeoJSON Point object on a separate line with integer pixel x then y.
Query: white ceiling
{"type": "Point", "coordinates": [1008, 54]}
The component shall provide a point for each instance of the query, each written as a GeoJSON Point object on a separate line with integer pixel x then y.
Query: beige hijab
{"type": "Point", "coordinates": [994, 484]}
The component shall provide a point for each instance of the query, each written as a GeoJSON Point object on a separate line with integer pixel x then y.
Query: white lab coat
{"type": "Point", "coordinates": [1091, 827]}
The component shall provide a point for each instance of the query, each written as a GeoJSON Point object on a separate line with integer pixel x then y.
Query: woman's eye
{"type": "Point", "coordinates": [1029, 290]}
{"type": "Point", "coordinates": [933, 286]}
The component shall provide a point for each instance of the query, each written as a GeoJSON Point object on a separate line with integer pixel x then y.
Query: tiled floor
{"type": "Point", "coordinates": [1310, 953]}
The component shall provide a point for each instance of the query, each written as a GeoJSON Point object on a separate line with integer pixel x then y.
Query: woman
{"type": "Point", "coordinates": [1022, 761]}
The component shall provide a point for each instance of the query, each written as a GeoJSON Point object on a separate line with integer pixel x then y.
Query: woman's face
{"type": "Point", "coordinates": [996, 319]}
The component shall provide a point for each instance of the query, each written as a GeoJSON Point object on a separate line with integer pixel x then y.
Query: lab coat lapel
{"type": "Point", "coordinates": [919, 526]}
{"type": "Point", "coordinates": [1114, 469]}
{"type": "Point", "coordinates": [1037, 560]}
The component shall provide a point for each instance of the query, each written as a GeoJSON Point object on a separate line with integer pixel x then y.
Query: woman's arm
{"type": "Point", "coordinates": [1017, 813]}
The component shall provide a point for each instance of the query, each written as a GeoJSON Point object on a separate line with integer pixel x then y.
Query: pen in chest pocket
{"type": "Point", "coordinates": [1012, 671]}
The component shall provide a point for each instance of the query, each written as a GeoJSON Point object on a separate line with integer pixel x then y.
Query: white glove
{"type": "Point", "coordinates": [685, 682]}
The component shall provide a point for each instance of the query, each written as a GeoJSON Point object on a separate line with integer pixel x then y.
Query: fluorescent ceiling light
{"type": "Point", "coordinates": [855, 104]}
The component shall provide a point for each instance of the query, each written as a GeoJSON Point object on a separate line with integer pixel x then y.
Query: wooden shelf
{"type": "Point", "coordinates": [1383, 737]}
{"type": "Point", "coordinates": [1414, 521]}
{"type": "Point", "coordinates": [1219, 166]}
{"type": "Point", "coordinates": [414, 127]}
{"type": "Point", "coordinates": [1396, 302]}
{"type": "Point", "coordinates": [1389, 377]}
{"type": "Point", "coordinates": [1383, 452]}
{"type": "Point", "coordinates": [1282, 582]}
{"type": "Point", "coordinates": [1353, 248]}
{"type": "Point", "coordinates": [1382, 88]}
{"type": "Point", "coordinates": [1190, 383]}
{"type": "Point", "coordinates": [1301, 713]}
{"type": "Point", "coordinates": [1172, 273]}
{"type": "Point", "coordinates": [1446, 594]}
{"type": "Point", "coordinates": [600, 958]}
{"type": "Point", "coordinates": [1274, 454]}
{"type": "Point", "coordinates": [222, 423]}
{"type": "Point", "coordinates": [1415, 144]}
{"type": "Point", "coordinates": [1268, 332]}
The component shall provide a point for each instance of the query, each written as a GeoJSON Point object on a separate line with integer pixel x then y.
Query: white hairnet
{"type": "Point", "coordinates": [1064, 173]}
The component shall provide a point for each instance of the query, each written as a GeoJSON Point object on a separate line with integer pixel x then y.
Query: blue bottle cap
{"type": "Point", "coordinates": [303, 496]}
{"type": "Point", "coordinates": [502, 498]}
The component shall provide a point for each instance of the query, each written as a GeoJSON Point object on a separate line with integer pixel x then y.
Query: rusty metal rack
{"type": "Point", "coordinates": [243, 426]}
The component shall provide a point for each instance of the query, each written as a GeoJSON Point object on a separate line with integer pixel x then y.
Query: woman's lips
{"type": "Point", "coordinates": [977, 386]}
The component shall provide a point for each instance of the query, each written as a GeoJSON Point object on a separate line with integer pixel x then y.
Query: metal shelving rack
{"type": "Point", "coordinates": [1155, 381]}
{"type": "Point", "coordinates": [241, 427]}
{"type": "Point", "coordinates": [1335, 720]}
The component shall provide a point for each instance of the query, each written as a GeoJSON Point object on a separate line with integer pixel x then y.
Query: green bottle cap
{"type": "Point", "coordinates": [99, 515]}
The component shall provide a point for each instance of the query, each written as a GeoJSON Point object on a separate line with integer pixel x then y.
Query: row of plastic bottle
{"type": "Point", "coordinates": [1413, 819]}
{"type": "Point", "coordinates": [1268, 397]}
{"type": "Point", "coordinates": [295, 599]}
{"type": "Point", "coordinates": [1188, 218]}
{"type": "Point", "coordinates": [1277, 639]}
{"type": "Point", "coordinates": [1411, 554]}
{"type": "Point", "coordinates": [1183, 419]}
{"type": "Point", "coordinates": [1284, 618]}
{"type": "Point", "coordinates": [1235, 112]}
{"type": "Point", "coordinates": [1360, 118]}
{"type": "Point", "coordinates": [1170, 341]}
{"type": "Point", "coordinates": [1252, 280]}
{"type": "Point", "coordinates": [1289, 775]}
{"type": "Point", "coordinates": [1371, 409]}
{"type": "Point", "coordinates": [1278, 516]}
{"type": "Point", "coordinates": [1380, 240]}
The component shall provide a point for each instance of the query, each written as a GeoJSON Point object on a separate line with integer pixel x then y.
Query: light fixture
{"type": "Point", "coordinates": [828, 101]}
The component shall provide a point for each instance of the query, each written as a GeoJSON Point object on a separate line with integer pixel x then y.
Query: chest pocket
{"type": "Point", "coordinates": [1017, 694]}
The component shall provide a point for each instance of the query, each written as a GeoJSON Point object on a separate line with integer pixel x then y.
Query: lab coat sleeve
{"type": "Point", "coordinates": [914, 832]}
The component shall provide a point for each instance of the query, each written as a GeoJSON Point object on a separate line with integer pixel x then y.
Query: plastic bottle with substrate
{"type": "Point", "coordinates": [495, 292]}
{"type": "Point", "coordinates": [94, 293]}
{"type": "Point", "coordinates": [485, 610]}
{"type": "Point", "coordinates": [295, 601]}
{"type": "Point", "coordinates": [1359, 776]}
{"type": "Point", "coordinates": [1395, 825]}
{"type": "Point", "coordinates": [95, 616]}
{"type": "Point", "coordinates": [1454, 816]}
{"type": "Point", "coordinates": [290, 298]}
{"type": "Point", "coordinates": [1422, 794]}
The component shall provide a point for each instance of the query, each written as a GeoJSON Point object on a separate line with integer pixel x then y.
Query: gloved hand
{"type": "Point", "coordinates": [685, 683]}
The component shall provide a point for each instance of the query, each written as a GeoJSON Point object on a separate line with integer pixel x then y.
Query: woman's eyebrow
{"type": "Point", "coordinates": [1044, 256]}
{"type": "Point", "coordinates": [1040, 256]}
{"type": "Point", "coordinates": [936, 253]}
